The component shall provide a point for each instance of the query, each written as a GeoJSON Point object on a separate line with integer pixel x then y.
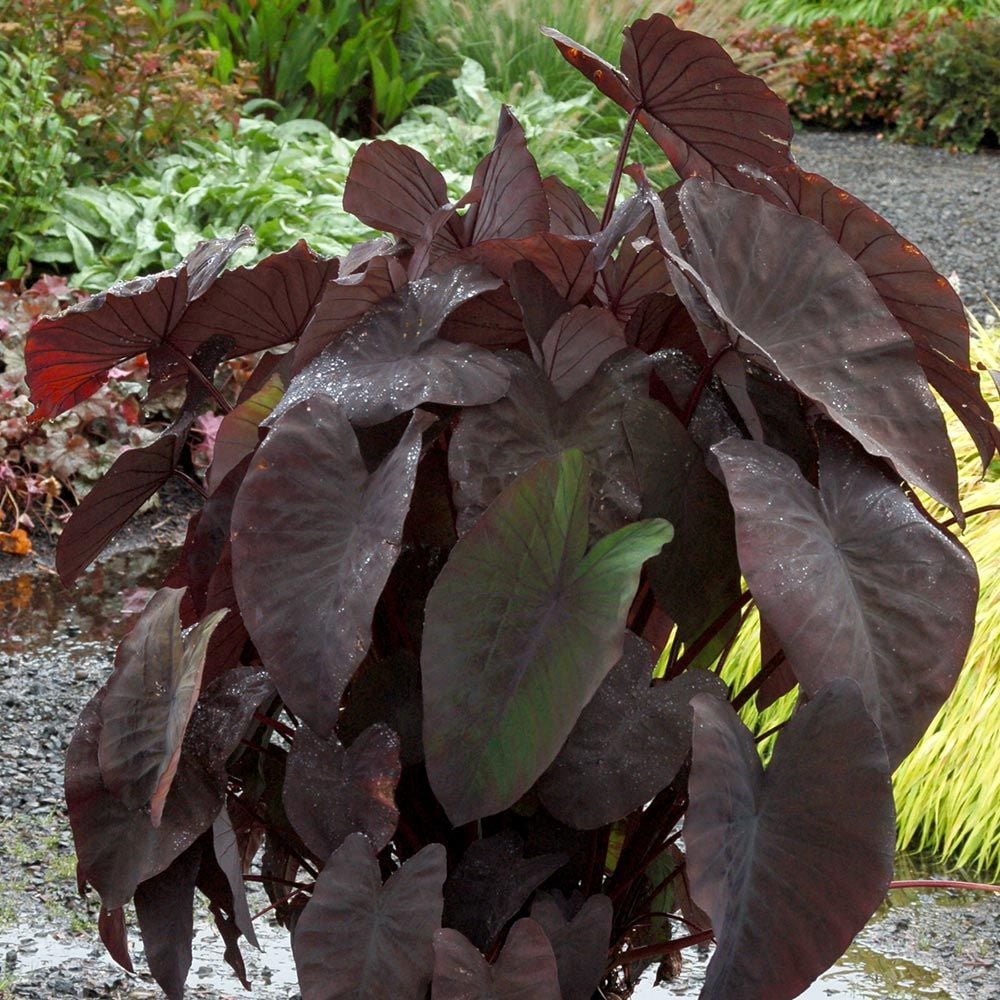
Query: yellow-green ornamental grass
{"type": "Point", "coordinates": [948, 789]}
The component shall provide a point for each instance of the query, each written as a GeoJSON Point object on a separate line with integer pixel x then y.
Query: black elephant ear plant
{"type": "Point", "coordinates": [439, 663]}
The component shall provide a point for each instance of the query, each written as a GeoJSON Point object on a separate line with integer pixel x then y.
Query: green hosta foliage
{"type": "Point", "coordinates": [426, 591]}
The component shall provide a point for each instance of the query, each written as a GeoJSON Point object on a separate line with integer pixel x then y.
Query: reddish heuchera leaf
{"type": "Point", "coordinates": [525, 969]}
{"type": "Point", "coordinates": [790, 863]}
{"type": "Point", "coordinates": [359, 938]}
{"type": "Point", "coordinates": [853, 580]}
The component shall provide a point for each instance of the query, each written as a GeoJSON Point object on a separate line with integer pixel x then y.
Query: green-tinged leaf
{"type": "Point", "coordinates": [549, 624]}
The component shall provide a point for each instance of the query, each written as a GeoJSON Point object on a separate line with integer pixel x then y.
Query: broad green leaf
{"type": "Point", "coordinates": [504, 686]}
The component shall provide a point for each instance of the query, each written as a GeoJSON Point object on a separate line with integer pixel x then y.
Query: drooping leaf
{"type": "Point", "coordinates": [361, 940]}
{"type": "Point", "coordinates": [331, 792]}
{"type": "Point", "coordinates": [314, 537]}
{"type": "Point", "coordinates": [697, 576]}
{"type": "Point", "coordinates": [491, 883]}
{"type": "Point", "coordinates": [148, 702]}
{"type": "Point", "coordinates": [577, 344]}
{"type": "Point", "coordinates": [392, 359]}
{"type": "Point", "coordinates": [789, 864]}
{"type": "Point", "coordinates": [628, 743]}
{"type": "Point", "coordinates": [135, 476]}
{"type": "Point", "coordinates": [164, 906]}
{"type": "Point", "coordinates": [525, 969]}
{"type": "Point", "coordinates": [706, 115]}
{"type": "Point", "coordinates": [226, 848]}
{"type": "Point", "coordinates": [579, 940]}
{"type": "Point", "coordinates": [114, 935]}
{"type": "Point", "coordinates": [549, 624]}
{"type": "Point", "coordinates": [811, 311]}
{"type": "Point", "coordinates": [495, 443]}
{"type": "Point", "coordinates": [117, 847]}
{"type": "Point", "coordinates": [853, 580]}
{"type": "Point", "coordinates": [68, 356]}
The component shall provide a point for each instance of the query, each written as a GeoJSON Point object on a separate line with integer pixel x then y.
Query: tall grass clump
{"type": "Point", "coordinates": [877, 13]}
{"type": "Point", "coordinates": [948, 790]}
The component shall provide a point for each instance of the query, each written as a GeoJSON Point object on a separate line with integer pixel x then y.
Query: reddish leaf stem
{"type": "Point", "coordinates": [703, 378]}
{"type": "Point", "coordinates": [665, 948]}
{"type": "Point", "coordinates": [277, 726]}
{"type": "Point", "coordinates": [209, 386]}
{"type": "Point", "coordinates": [616, 176]}
{"type": "Point", "coordinates": [757, 681]}
{"type": "Point", "coordinates": [930, 883]}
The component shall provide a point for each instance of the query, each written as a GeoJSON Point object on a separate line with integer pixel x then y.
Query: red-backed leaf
{"type": "Point", "coordinates": [164, 906]}
{"type": "Point", "coordinates": [363, 940]}
{"type": "Point", "coordinates": [811, 311]}
{"type": "Point", "coordinates": [495, 443]}
{"type": "Point", "coordinates": [331, 792]}
{"type": "Point", "coordinates": [628, 743]}
{"type": "Point", "coordinates": [314, 537]}
{"type": "Point", "coordinates": [114, 936]}
{"type": "Point", "coordinates": [513, 203]}
{"type": "Point", "coordinates": [580, 940]}
{"type": "Point", "coordinates": [491, 883]}
{"type": "Point", "coordinates": [117, 848]}
{"type": "Point", "coordinates": [392, 360]}
{"type": "Point", "coordinates": [395, 189]}
{"type": "Point", "coordinates": [790, 863]}
{"type": "Point", "coordinates": [923, 301]}
{"type": "Point", "coordinates": [135, 476]}
{"type": "Point", "coordinates": [853, 580]}
{"type": "Point", "coordinates": [568, 213]}
{"type": "Point", "coordinates": [148, 702]}
{"type": "Point", "coordinates": [549, 625]}
{"type": "Point", "coordinates": [344, 302]}
{"type": "Point", "coordinates": [525, 969]}
{"type": "Point", "coordinates": [577, 344]}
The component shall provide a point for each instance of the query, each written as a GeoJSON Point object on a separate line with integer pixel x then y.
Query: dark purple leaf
{"type": "Point", "coordinates": [812, 313]}
{"type": "Point", "coordinates": [344, 302]}
{"type": "Point", "coordinates": [495, 443]}
{"type": "Point", "coordinates": [549, 624]}
{"type": "Point", "coordinates": [854, 581]}
{"type": "Point", "coordinates": [228, 856]}
{"type": "Point", "coordinates": [491, 883]}
{"type": "Point", "coordinates": [628, 743]}
{"type": "Point", "coordinates": [524, 970]}
{"type": "Point", "coordinates": [393, 188]}
{"type": "Point", "coordinates": [68, 356]}
{"type": "Point", "coordinates": [608, 80]}
{"type": "Point", "coordinates": [660, 322]}
{"type": "Point", "coordinates": [568, 214]}
{"type": "Point", "coordinates": [489, 320]}
{"type": "Point", "coordinates": [392, 360]}
{"type": "Point", "coordinates": [117, 847]}
{"type": "Point", "coordinates": [576, 346]}
{"type": "Point", "coordinates": [789, 864]}
{"type": "Point", "coordinates": [513, 203]}
{"type": "Point", "coordinates": [313, 539]}
{"type": "Point", "coordinates": [697, 576]}
{"type": "Point", "coordinates": [114, 936]}
{"type": "Point", "coordinates": [148, 702]}
{"type": "Point", "coordinates": [331, 792]}
{"type": "Point", "coordinates": [540, 304]}
{"type": "Point", "coordinates": [580, 941]}
{"type": "Point", "coordinates": [164, 906]}
{"type": "Point", "coordinates": [135, 476]}
{"type": "Point", "coordinates": [361, 940]}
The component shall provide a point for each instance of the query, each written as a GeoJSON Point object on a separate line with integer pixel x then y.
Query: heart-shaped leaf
{"type": "Point", "coordinates": [494, 444]}
{"type": "Point", "coordinates": [314, 537]}
{"type": "Point", "coordinates": [814, 836]}
{"type": "Point", "coordinates": [549, 624]}
{"type": "Point", "coordinates": [361, 940]}
{"type": "Point", "coordinates": [330, 793]}
{"type": "Point", "coordinates": [853, 580]}
{"type": "Point", "coordinates": [577, 344]}
{"type": "Point", "coordinates": [698, 575]}
{"type": "Point", "coordinates": [706, 115]}
{"type": "Point", "coordinates": [810, 309]}
{"type": "Point", "coordinates": [580, 941]}
{"type": "Point", "coordinates": [491, 883]}
{"type": "Point", "coordinates": [525, 969]}
{"type": "Point", "coordinates": [628, 743]}
{"type": "Point", "coordinates": [117, 847]}
{"type": "Point", "coordinates": [68, 356]}
{"type": "Point", "coordinates": [148, 702]}
{"type": "Point", "coordinates": [392, 359]}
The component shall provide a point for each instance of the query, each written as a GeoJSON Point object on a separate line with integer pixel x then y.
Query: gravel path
{"type": "Point", "coordinates": [948, 204]}
{"type": "Point", "coordinates": [54, 655]}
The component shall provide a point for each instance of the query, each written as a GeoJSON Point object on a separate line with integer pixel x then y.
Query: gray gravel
{"type": "Point", "coordinates": [948, 204]}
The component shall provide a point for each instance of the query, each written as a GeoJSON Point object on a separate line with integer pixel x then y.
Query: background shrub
{"type": "Point", "coordinates": [880, 13]}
